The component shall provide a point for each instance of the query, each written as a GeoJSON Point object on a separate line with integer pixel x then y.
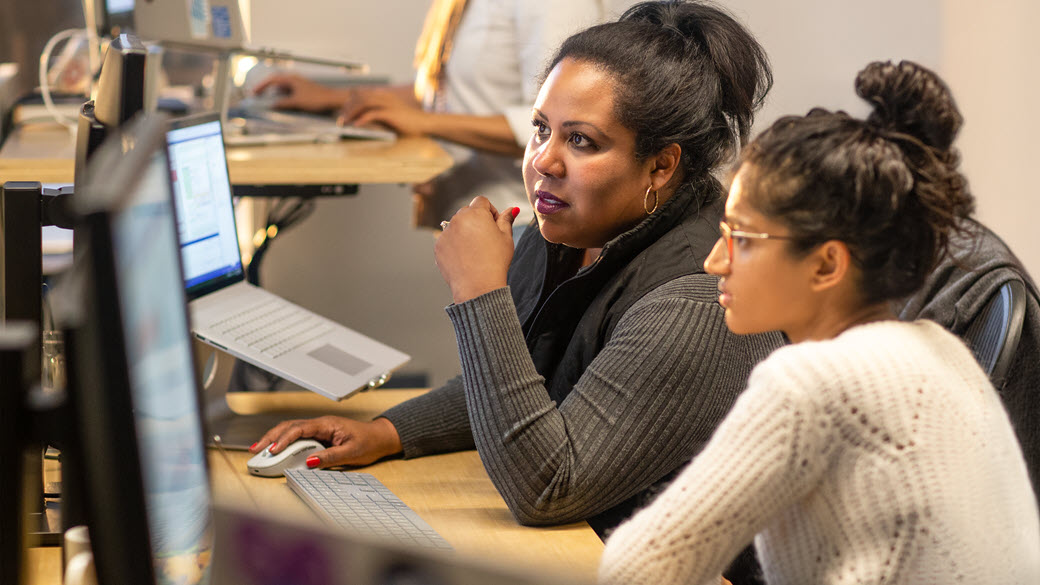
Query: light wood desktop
{"type": "Point", "coordinates": [452, 492]}
{"type": "Point", "coordinates": [44, 152]}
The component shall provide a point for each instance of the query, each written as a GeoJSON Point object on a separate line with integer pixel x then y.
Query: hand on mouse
{"type": "Point", "coordinates": [353, 442]}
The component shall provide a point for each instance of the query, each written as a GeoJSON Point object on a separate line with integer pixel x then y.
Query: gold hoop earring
{"type": "Point", "coordinates": [646, 198]}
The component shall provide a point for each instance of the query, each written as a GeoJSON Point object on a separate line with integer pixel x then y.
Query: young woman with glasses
{"type": "Point", "coordinates": [870, 450]}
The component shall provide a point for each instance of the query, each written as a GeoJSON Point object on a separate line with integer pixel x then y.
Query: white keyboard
{"type": "Point", "coordinates": [360, 503]}
{"type": "Point", "coordinates": [273, 327]}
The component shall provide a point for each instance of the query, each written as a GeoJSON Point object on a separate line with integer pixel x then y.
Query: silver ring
{"type": "Point", "coordinates": [444, 224]}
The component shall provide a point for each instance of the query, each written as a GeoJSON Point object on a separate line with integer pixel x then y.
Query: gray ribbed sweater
{"type": "Point", "coordinates": [647, 403]}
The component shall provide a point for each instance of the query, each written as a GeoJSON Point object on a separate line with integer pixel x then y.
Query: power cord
{"type": "Point", "coordinates": [45, 91]}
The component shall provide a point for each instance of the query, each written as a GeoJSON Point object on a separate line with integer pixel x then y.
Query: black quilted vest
{"type": "Point", "coordinates": [568, 317]}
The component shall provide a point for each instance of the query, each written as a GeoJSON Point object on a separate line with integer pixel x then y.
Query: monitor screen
{"type": "Point", "coordinates": [205, 213]}
{"type": "Point", "coordinates": [134, 395]}
{"type": "Point", "coordinates": [158, 352]}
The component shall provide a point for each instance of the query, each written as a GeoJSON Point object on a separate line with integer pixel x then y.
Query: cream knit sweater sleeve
{"type": "Point", "coordinates": [715, 507]}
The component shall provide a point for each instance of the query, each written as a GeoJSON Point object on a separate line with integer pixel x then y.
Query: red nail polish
{"type": "Point", "coordinates": [272, 446]}
{"type": "Point", "coordinates": [516, 212]}
{"type": "Point", "coordinates": [313, 462]}
{"type": "Point", "coordinates": [253, 446]}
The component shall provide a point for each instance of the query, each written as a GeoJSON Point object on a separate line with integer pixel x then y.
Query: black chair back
{"type": "Point", "coordinates": [993, 335]}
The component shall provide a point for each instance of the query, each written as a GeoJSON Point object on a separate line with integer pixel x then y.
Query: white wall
{"type": "Point", "coordinates": [991, 59]}
{"type": "Point", "coordinates": [817, 46]}
{"type": "Point", "coordinates": [987, 52]}
{"type": "Point", "coordinates": [367, 268]}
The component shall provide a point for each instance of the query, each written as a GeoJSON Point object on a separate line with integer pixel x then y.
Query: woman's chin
{"type": "Point", "coordinates": [552, 233]}
{"type": "Point", "coordinates": [740, 327]}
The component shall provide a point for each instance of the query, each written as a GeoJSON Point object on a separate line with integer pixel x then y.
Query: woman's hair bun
{"type": "Point", "coordinates": [910, 99]}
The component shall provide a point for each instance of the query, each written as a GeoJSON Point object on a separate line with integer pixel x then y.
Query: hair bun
{"type": "Point", "coordinates": [911, 99]}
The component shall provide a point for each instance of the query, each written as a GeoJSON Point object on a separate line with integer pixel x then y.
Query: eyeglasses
{"type": "Point", "coordinates": [728, 234]}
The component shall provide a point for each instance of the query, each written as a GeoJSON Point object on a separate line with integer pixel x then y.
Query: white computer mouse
{"type": "Point", "coordinates": [292, 457]}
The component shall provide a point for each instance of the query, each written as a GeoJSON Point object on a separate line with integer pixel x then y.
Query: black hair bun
{"type": "Point", "coordinates": [911, 99]}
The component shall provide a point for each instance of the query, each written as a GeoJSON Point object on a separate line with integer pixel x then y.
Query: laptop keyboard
{"type": "Point", "coordinates": [358, 502]}
{"type": "Point", "coordinates": [273, 327]}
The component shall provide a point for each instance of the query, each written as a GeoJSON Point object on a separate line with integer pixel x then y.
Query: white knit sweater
{"type": "Point", "coordinates": [881, 456]}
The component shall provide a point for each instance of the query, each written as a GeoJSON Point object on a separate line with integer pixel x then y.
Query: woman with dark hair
{"type": "Point", "coordinates": [871, 450]}
{"type": "Point", "coordinates": [595, 360]}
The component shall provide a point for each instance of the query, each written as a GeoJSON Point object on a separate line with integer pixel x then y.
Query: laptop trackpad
{"type": "Point", "coordinates": [339, 359]}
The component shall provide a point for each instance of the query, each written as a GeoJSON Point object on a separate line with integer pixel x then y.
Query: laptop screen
{"type": "Point", "coordinates": [205, 213]}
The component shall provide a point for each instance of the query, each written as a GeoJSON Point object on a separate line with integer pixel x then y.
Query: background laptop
{"type": "Point", "coordinates": [253, 123]}
{"type": "Point", "coordinates": [246, 321]}
{"type": "Point", "coordinates": [219, 25]}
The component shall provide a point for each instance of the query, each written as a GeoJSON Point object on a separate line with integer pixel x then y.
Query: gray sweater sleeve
{"type": "Point", "coordinates": [647, 403]}
{"type": "Point", "coordinates": [435, 422]}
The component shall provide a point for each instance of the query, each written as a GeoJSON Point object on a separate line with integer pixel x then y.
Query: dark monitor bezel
{"type": "Point", "coordinates": [115, 499]}
{"type": "Point", "coordinates": [17, 339]}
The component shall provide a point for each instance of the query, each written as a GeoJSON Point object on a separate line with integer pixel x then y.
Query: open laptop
{"type": "Point", "coordinates": [246, 321]}
{"type": "Point", "coordinates": [219, 25]}
{"type": "Point", "coordinates": [257, 125]}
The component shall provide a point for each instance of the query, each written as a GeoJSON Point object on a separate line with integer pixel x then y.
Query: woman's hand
{"type": "Point", "coordinates": [374, 106]}
{"type": "Point", "coordinates": [474, 252]}
{"type": "Point", "coordinates": [301, 93]}
{"type": "Point", "coordinates": [353, 442]}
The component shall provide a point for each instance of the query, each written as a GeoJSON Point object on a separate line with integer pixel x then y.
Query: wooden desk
{"type": "Point", "coordinates": [452, 492]}
{"type": "Point", "coordinates": [44, 152]}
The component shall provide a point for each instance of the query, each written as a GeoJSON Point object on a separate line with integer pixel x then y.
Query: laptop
{"type": "Point", "coordinates": [256, 125]}
{"type": "Point", "coordinates": [210, 24]}
{"type": "Point", "coordinates": [243, 320]}
{"type": "Point", "coordinates": [219, 25]}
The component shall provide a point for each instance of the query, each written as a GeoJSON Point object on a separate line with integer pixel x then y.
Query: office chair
{"type": "Point", "coordinates": [994, 333]}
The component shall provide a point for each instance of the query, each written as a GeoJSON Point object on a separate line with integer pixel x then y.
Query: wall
{"type": "Point", "coordinates": [25, 27]}
{"type": "Point", "coordinates": [990, 60]}
{"type": "Point", "coordinates": [988, 56]}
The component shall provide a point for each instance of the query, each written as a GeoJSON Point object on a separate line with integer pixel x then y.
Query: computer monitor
{"type": "Point", "coordinates": [120, 90]}
{"type": "Point", "coordinates": [17, 338]}
{"type": "Point", "coordinates": [132, 373]}
{"type": "Point", "coordinates": [120, 95]}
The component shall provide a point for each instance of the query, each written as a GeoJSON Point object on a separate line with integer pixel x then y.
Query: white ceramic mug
{"type": "Point", "coordinates": [79, 559]}
{"type": "Point", "coordinates": [80, 570]}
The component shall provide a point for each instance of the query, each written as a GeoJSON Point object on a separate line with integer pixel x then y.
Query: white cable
{"type": "Point", "coordinates": [45, 90]}
{"type": "Point", "coordinates": [93, 42]}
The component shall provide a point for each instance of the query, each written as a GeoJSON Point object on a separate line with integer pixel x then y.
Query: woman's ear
{"type": "Point", "coordinates": [831, 265]}
{"type": "Point", "coordinates": [665, 164]}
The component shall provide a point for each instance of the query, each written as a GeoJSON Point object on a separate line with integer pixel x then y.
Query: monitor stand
{"type": "Point", "coordinates": [236, 430]}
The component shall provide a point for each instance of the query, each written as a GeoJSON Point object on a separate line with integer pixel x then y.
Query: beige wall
{"type": "Point", "coordinates": [991, 58]}
{"type": "Point", "coordinates": [365, 267]}
{"type": "Point", "coordinates": [989, 52]}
